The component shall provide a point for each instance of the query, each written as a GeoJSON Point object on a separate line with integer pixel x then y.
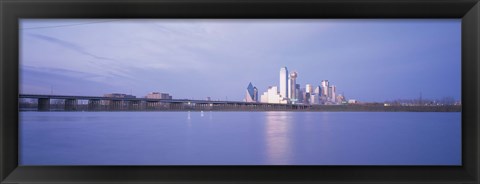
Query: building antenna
{"type": "Point", "coordinates": [51, 90]}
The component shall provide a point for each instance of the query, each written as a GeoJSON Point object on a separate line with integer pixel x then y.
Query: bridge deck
{"type": "Point", "coordinates": [69, 97]}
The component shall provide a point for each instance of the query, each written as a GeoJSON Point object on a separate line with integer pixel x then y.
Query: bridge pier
{"type": "Point", "coordinates": [143, 105]}
{"type": "Point", "coordinates": [178, 106]}
{"type": "Point", "coordinates": [172, 106]}
{"type": "Point", "coordinates": [44, 104]}
{"type": "Point", "coordinates": [151, 105]}
{"type": "Point", "coordinates": [70, 105]}
{"type": "Point", "coordinates": [200, 106]}
{"type": "Point", "coordinates": [130, 105]}
{"type": "Point", "coordinates": [162, 106]}
{"type": "Point", "coordinates": [94, 105]}
{"type": "Point", "coordinates": [114, 105]}
{"type": "Point", "coordinates": [133, 105]}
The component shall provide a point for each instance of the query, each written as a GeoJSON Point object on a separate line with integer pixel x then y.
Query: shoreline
{"type": "Point", "coordinates": [313, 108]}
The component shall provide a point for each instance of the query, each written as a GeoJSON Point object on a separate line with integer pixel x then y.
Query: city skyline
{"type": "Point", "coordinates": [289, 91]}
{"type": "Point", "coordinates": [217, 58]}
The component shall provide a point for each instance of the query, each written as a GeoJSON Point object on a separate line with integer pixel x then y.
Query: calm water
{"type": "Point", "coordinates": [240, 138]}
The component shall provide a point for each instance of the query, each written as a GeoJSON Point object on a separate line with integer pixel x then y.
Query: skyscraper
{"type": "Point", "coordinates": [283, 82]}
{"type": "Point", "coordinates": [325, 86]}
{"type": "Point", "coordinates": [316, 96]}
{"type": "Point", "coordinates": [333, 93]}
{"type": "Point", "coordinates": [318, 90]}
{"type": "Point", "coordinates": [306, 98]}
{"type": "Point", "coordinates": [255, 94]}
{"type": "Point", "coordinates": [292, 85]}
{"type": "Point", "coordinates": [297, 91]}
{"type": "Point", "coordinates": [329, 96]}
{"type": "Point", "coordinates": [300, 94]}
{"type": "Point", "coordinates": [309, 88]}
{"type": "Point", "coordinates": [340, 99]}
{"type": "Point", "coordinates": [251, 95]}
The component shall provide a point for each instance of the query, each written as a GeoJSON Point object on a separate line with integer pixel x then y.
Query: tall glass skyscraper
{"type": "Point", "coordinates": [283, 82]}
{"type": "Point", "coordinates": [252, 93]}
{"type": "Point", "coordinates": [255, 94]}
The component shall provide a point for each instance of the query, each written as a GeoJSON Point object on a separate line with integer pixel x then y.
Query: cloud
{"type": "Point", "coordinates": [42, 80]}
{"type": "Point", "coordinates": [219, 57]}
{"type": "Point", "coordinates": [68, 45]}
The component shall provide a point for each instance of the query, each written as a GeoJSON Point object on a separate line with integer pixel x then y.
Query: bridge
{"type": "Point", "coordinates": [99, 103]}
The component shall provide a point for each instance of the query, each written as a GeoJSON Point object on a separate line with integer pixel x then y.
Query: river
{"type": "Point", "coordinates": [240, 138]}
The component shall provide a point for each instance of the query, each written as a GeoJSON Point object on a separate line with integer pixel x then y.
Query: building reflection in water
{"type": "Point", "coordinates": [278, 135]}
{"type": "Point", "coordinates": [325, 135]}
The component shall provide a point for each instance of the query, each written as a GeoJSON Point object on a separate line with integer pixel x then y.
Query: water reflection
{"type": "Point", "coordinates": [243, 138]}
{"type": "Point", "coordinates": [325, 131]}
{"type": "Point", "coordinates": [278, 138]}
{"type": "Point", "coordinates": [189, 121]}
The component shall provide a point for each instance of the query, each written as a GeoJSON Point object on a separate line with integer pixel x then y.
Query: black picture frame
{"type": "Point", "coordinates": [12, 10]}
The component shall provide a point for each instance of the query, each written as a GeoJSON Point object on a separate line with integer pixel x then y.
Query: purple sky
{"type": "Point", "coordinates": [368, 60]}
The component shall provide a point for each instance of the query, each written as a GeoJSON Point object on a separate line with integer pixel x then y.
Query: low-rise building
{"type": "Point", "coordinates": [118, 95]}
{"type": "Point", "coordinates": [158, 95]}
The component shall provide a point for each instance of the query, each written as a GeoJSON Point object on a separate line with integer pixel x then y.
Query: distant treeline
{"type": "Point", "coordinates": [424, 102]}
{"type": "Point", "coordinates": [382, 108]}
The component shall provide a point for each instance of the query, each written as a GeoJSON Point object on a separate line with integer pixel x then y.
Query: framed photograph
{"type": "Point", "coordinates": [249, 91]}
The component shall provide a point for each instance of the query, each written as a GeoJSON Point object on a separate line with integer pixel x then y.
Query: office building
{"type": "Point", "coordinates": [306, 93]}
{"type": "Point", "coordinates": [251, 94]}
{"type": "Point", "coordinates": [318, 90]}
{"type": "Point", "coordinates": [283, 82]}
{"type": "Point", "coordinates": [308, 88]}
{"type": "Point", "coordinates": [297, 93]}
{"type": "Point", "coordinates": [314, 98]}
{"type": "Point", "coordinates": [272, 96]}
{"type": "Point", "coordinates": [329, 94]}
{"type": "Point", "coordinates": [333, 91]}
{"type": "Point", "coordinates": [306, 98]}
{"type": "Point", "coordinates": [292, 86]}
{"type": "Point", "coordinates": [300, 94]}
{"type": "Point", "coordinates": [118, 95]}
{"type": "Point", "coordinates": [289, 92]}
{"type": "Point", "coordinates": [115, 95]}
{"type": "Point", "coordinates": [340, 99]}
{"type": "Point", "coordinates": [158, 95]}
{"type": "Point", "coordinates": [325, 84]}
{"type": "Point", "coordinates": [264, 96]}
